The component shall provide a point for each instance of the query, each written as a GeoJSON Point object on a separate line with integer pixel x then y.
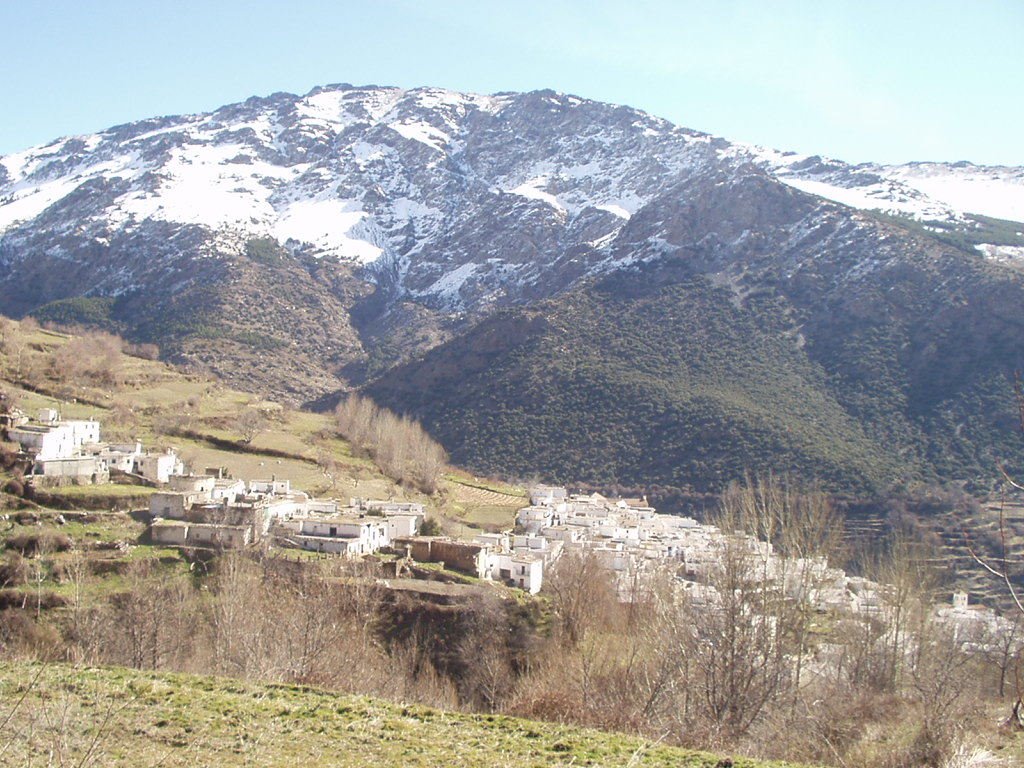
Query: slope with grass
{"type": "Point", "coordinates": [117, 717]}
{"type": "Point", "coordinates": [206, 422]}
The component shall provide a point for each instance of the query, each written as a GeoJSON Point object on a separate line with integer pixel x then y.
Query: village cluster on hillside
{"type": "Point", "coordinates": [62, 451]}
{"type": "Point", "coordinates": [628, 537]}
{"type": "Point", "coordinates": [633, 541]}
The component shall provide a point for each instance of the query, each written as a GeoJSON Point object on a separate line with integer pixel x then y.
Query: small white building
{"type": "Point", "coordinates": [159, 467]}
{"type": "Point", "coordinates": [84, 469]}
{"type": "Point", "coordinates": [403, 524]}
{"type": "Point", "coordinates": [273, 486]}
{"type": "Point", "coordinates": [532, 519]}
{"type": "Point", "coordinates": [496, 541]}
{"type": "Point", "coordinates": [328, 545]}
{"type": "Point", "coordinates": [115, 457]}
{"type": "Point", "coordinates": [286, 506]}
{"type": "Point", "coordinates": [198, 484]}
{"type": "Point", "coordinates": [361, 536]}
{"type": "Point", "coordinates": [323, 507]}
{"type": "Point", "coordinates": [60, 440]}
{"type": "Point", "coordinates": [548, 495]}
{"type": "Point", "coordinates": [174, 504]}
{"type": "Point", "coordinates": [227, 490]}
{"type": "Point", "coordinates": [516, 569]}
{"type": "Point", "coordinates": [380, 507]}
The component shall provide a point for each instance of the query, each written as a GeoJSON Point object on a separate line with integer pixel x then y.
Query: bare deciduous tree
{"type": "Point", "coordinates": [250, 423]}
{"type": "Point", "coordinates": [398, 445]}
{"type": "Point", "coordinates": [91, 358]}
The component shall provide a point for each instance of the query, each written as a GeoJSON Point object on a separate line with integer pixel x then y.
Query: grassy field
{"type": "Point", "coordinates": [60, 715]}
{"type": "Point", "coordinates": [165, 407]}
{"type": "Point", "coordinates": [481, 503]}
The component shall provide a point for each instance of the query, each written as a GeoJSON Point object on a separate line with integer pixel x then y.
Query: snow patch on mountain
{"type": "Point", "coordinates": [991, 191]}
{"type": "Point", "coordinates": [448, 286]}
{"type": "Point", "coordinates": [880, 197]}
{"type": "Point", "coordinates": [1003, 254]}
{"type": "Point", "coordinates": [328, 225]}
{"type": "Point", "coordinates": [924, 191]}
{"type": "Point", "coordinates": [534, 190]}
{"type": "Point", "coordinates": [22, 205]}
{"type": "Point", "coordinates": [423, 133]}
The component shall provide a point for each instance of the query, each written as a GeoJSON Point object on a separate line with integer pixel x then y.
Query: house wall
{"type": "Point", "coordinates": [547, 494]}
{"type": "Point", "coordinates": [403, 525]}
{"type": "Point", "coordinates": [83, 431]}
{"type": "Point", "coordinates": [532, 519]}
{"type": "Point", "coordinates": [227, 491]}
{"type": "Point", "coordinates": [333, 528]}
{"type": "Point", "coordinates": [387, 507]}
{"type": "Point", "coordinates": [218, 535]}
{"type": "Point", "coordinates": [172, 534]}
{"type": "Point", "coordinates": [47, 415]}
{"type": "Point", "coordinates": [323, 507]}
{"type": "Point", "coordinates": [192, 483]}
{"type": "Point", "coordinates": [286, 507]}
{"type": "Point", "coordinates": [456, 555]}
{"type": "Point", "coordinates": [517, 571]}
{"type": "Point", "coordinates": [44, 442]}
{"type": "Point", "coordinates": [80, 468]}
{"type": "Point", "coordinates": [119, 460]}
{"type": "Point", "coordinates": [172, 505]}
{"type": "Point", "coordinates": [159, 467]}
{"type": "Point", "coordinates": [334, 546]}
{"type": "Point", "coordinates": [371, 535]}
{"type": "Point", "coordinates": [275, 487]}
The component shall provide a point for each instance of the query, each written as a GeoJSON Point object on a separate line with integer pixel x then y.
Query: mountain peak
{"type": "Point", "coordinates": [303, 244]}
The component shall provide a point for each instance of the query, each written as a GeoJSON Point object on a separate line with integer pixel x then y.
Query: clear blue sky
{"type": "Point", "coordinates": [862, 80]}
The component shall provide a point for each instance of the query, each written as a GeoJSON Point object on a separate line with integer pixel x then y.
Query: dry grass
{"type": "Point", "coordinates": [91, 717]}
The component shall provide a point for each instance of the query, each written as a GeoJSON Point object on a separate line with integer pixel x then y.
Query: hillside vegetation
{"type": "Point", "coordinates": [118, 717]}
{"type": "Point", "coordinates": [671, 388]}
{"type": "Point", "coordinates": [666, 377]}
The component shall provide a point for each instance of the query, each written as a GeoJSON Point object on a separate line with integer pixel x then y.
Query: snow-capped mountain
{"type": "Point", "coordinates": [924, 191]}
{"type": "Point", "coordinates": [396, 239]}
{"type": "Point", "coordinates": [456, 200]}
{"type": "Point", "coordinates": [392, 179]}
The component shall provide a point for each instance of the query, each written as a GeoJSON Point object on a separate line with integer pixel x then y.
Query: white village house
{"type": "Point", "coordinates": [70, 451]}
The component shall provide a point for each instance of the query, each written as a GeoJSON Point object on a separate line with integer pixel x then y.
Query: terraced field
{"type": "Point", "coordinates": [486, 507]}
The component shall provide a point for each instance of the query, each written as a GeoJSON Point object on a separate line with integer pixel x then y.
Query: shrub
{"type": "Point", "coordinates": [143, 351]}
{"type": "Point", "coordinates": [44, 541]}
{"type": "Point", "coordinates": [430, 527]}
{"type": "Point", "coordinates": [13, 570]}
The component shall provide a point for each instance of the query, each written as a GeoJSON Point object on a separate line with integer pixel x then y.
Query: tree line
{"type": "Point", "coordinates": [399, 446]}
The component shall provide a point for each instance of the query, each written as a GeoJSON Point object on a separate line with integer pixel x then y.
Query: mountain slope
{"type": "Point", "coordinates": [301, 245]}
{"type": "Point", "coordinates": [638, 383]}
{"type": "Point", "coordinates": [694, 369]}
